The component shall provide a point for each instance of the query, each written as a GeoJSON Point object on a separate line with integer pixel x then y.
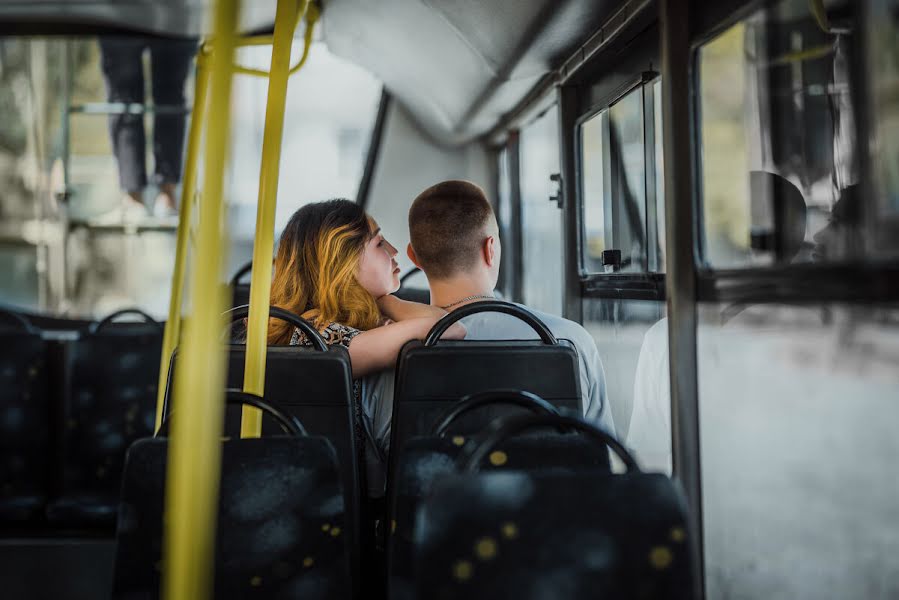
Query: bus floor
{"type": "Point", "coordinates": [54, 568]}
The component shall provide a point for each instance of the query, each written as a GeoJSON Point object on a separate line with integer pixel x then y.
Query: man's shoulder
{"type": "Point", "coordinates": [484, 325]}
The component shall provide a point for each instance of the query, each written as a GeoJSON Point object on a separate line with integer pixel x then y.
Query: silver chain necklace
{"type": "Point", "coordinates": [476, 296]}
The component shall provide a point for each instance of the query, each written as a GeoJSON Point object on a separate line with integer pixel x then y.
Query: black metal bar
{"type": "Point", "coordinates": [674, 17]}
{"type": "Point", "coordinates": [374, 150]}
{"type": "Point", "coordinates": [517, 263]}
{"type": "Point", "coordinates": [569, 109]}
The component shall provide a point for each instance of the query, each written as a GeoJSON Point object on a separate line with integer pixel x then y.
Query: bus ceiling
{"type": "Point", "coordinates": [458, 66]}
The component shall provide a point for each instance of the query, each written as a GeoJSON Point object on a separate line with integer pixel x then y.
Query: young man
{"type": "Point", "coordinates": [455, 241]}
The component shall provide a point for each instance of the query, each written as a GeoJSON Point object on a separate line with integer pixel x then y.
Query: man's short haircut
{"type": "Point", "coordinates": [447, 227]}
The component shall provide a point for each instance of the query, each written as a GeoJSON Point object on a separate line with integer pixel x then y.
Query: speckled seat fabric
{"type": "Point", "coordinates": [425, 461]}
{"type": "Point", "coordinates": [25, 452]}
{"type": "Point", "coordinates": [553, 536]}
{"type": "Point", "coordinates": [316, 387]}
{"type": "Point", "coordinates": [281, 521]}
{"type": "Point", "coordinates": [111, 402]}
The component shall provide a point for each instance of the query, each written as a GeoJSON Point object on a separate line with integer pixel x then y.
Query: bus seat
{"type": "Point", "coordinates": [412, 292]}
{"type": "Point", "coordinates": [551, 534]}
{"type": "Point", "coordinates": [314, 385]}
{"type": "Point", "coordinates": [288, 542]}
{"type": "Point", "coordinates": [426, 459]}
{"type": "Point", "coordinates": [432, 376]}
{"type": "Point", "coordinates": [240, 292]}
{"type": "Point", "coordinates": [111, 402]}
{"type": "Point", "coordinates": [25, 408]}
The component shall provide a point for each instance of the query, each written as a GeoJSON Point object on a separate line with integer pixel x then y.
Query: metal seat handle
{"type": "Point", "coordinates": [318, 342]}
{"type": "Point", "coordinates": [289, 423]}
{"type": "Point", "coordinates": [240, 273]}
{"type": "Point", "coordinates": [520, 398]}
{"type": "Point", "coordinates": [504, 428]}
{"type": "Point", "coordinates": [18, 319]}
{"type": "Point", "coordinates": [95, 327]}
{"type": "Point", "coordinates": [490, 306]}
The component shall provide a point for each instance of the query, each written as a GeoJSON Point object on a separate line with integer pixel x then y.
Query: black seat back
{"type": "Point", "coordinates": [281, 521]}
{"type": "Point", "coordinates": [240, 292]}
{"type": "Point", "coordinates": [433, 376]}
{"type": "Point", "coordinates": [110, 403]}
{"type": "Point", "coordinates": [315, 386]}
{"type": "Point", "coordinates": [25, 406]}
{"type": "Point", "coordinates": [426, 461]}
{"type": "Point", "coordinates": [588, 533]}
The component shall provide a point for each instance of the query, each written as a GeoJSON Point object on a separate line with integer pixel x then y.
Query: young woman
{"type": "Point", "coordinates": [332, 266]}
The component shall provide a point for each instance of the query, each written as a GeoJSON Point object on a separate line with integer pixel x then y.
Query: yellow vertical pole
{"type": "Point", "coordinates": [194, 465]}
{"type": "Point", "coordinates": [195, 136]}
{"type": "Point", "coordinates": [260, 284]}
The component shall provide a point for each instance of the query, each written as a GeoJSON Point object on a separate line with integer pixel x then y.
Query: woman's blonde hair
{"type": "Point", "coordinates": [315, 269]}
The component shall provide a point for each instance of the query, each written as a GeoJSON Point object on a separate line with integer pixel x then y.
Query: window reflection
{"type": "Point", "coordinates": [776, 98]}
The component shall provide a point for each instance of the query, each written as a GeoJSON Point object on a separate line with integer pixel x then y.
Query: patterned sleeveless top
{"type": "Point", "coordinates": [334, 333]}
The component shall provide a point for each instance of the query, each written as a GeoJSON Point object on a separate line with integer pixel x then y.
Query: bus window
{"type": "Point", "coordinates": [506, 225]}
{"type": "Point", "coordinates": [797, 427]}
{"type": "Point", "coordinates": [541, 219]}
{"type": "Point", "coordinates": [330, 113]}
{"type": "Point", "coordinates": [619, 211]}
{"type": "Point", "coordinates": [629, 180]}
{"type": "Point", "coordinates": [659, 176]}
{"type": "Point", "coordinates": [60, 180]}
{"type": "Point", "coordinates": [593, 191]}
{"type": "Point", "coordinates": [779, 155]}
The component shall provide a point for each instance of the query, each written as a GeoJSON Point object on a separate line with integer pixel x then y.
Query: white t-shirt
{"type": "Point", "coordinates": [649, 435]}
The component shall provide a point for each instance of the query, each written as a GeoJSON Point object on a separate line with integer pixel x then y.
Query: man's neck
{"type": "Point", "coordinates": [458, 291]}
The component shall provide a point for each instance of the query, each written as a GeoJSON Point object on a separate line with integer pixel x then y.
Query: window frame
{"type": "Point", "coordinates": [646, 284]}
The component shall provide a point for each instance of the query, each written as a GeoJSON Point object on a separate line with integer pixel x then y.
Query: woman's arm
{"type": "Point", "coordinates": [402, 310]}
{"type": "Point", "coordinates": [377, 349]}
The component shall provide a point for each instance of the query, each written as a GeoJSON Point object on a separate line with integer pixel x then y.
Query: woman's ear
{"type": "Point", "coordinates": [411, 254]}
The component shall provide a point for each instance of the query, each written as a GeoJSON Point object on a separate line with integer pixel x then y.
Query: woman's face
{"type": "Point", "coordinates": [379, 273]}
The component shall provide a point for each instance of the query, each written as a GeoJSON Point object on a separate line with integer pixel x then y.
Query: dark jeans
{"type": "Point", "coordinates": [169, 64]}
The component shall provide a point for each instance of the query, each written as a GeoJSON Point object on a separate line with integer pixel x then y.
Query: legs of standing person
{"type": "Point", "coordinates": [123, 72]}
{"type": "Point", "coordinates": [170, 64]}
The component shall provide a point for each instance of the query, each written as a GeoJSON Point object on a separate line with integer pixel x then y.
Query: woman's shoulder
{"type": "Point", "coordinates": [332, 333]}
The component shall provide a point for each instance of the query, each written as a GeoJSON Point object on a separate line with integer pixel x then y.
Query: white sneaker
{"type": "Point", "coordinates": [126, 212]}
{"type": "Point", "coordinates": [161, 210]}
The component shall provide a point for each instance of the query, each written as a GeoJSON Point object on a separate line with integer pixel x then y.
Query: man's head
{"type": "Point", "coordinates": [453, 232]}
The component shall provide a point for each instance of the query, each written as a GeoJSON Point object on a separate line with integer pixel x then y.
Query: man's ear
{"type": "Point", "coordinates": [490, 250]}
{"type": "Point", "coordinates": [411, 254]}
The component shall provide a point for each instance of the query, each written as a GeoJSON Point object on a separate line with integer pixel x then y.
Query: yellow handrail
{"type": "Point", "coordinates": [194, 138]}
{"type": "Point", "coordinates": [194, 465]}
{"type": "Point", "coordinates": [313, 13]}
{"type": "Point", "coordinates": [260, 284]}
